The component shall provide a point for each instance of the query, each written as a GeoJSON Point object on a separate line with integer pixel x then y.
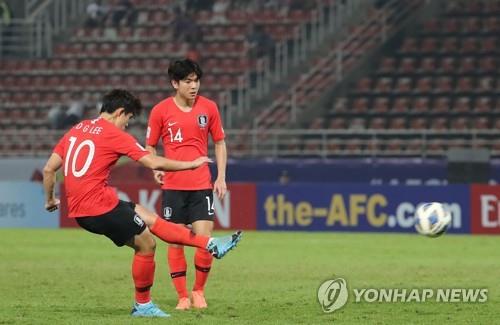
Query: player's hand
{"type": "Point", "coordinates": [158, 176]}
{"type": "Point", "coordinates": [220, 188]}
{"type": "Point", "coordinates": [52, 205]}
{"type": "Point", "coordinates": [200, 161]}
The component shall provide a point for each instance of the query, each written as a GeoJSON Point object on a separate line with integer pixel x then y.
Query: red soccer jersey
{"type": "Point", "coordinates": [89, 150]}
{"type": "Point", "coordinates": [185, 137]}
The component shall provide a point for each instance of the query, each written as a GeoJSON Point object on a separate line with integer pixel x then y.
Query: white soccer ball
{"type": "Point", "coordinates": [432, 219]}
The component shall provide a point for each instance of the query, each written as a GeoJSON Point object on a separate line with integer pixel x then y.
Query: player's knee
{"type": "Point", "coordinates": [145, 242]}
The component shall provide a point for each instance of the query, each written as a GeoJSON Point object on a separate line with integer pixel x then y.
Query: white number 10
{"type": "Point", "coordinates": [86, 166]}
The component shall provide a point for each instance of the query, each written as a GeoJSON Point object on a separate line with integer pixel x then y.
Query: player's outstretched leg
{"type": "Point", "coordinates": [147, 310]}
{"type": "Point", "coordinates": [219, 246]}
{"type": "Point", "coordinates": [178, 234]}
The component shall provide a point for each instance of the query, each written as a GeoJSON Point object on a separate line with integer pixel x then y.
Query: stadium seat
{"type": "Point", "coordinates": [421, 105]}
{"type": "Point", "coordinates": [418, 123]}
{"type": "Point", "coordinates": [401, 105]}
{"type": "Point", "coordinates": [441, 105]}
{"type": "Point", "coordinates": [461, 105]}
{"type": "Point", "coordinates": [388, 65]}
{"type": "Point", "coordinates": [380, 105]}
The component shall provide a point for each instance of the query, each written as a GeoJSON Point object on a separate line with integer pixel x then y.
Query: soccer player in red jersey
{"type": "Point", "coordinates": [86, 154]}
{"type": "Point", "coordinates": [183, 123]}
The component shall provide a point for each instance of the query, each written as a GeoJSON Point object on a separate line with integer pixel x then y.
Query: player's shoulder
{"type": "Point", "coordinates": [163, 105]}
{"type": "Point", "coordinates": [207, 102]}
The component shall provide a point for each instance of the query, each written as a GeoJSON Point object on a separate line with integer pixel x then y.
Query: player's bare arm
{"type": "Point", "coordinates": [220, 187]}
{"type": "Point", "coordinates": [49, 181]}
{"type": "Point", "coordinates": [158, 174]}
{"type": "Point", "coordinates": [155, 162]}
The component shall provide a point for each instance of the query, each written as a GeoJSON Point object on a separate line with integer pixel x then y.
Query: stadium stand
{"type": "Point", "coordinates": [440, 79]}
{"type": "Point", "coordinates": [436, 90]}
{"type": "Point", "coordinates": [97, 58]}
{"type": "Point", "coordinates": [106, 55]}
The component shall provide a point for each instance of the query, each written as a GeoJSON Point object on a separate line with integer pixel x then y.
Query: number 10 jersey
{"type": "Point", "coordinates": [89, 150]}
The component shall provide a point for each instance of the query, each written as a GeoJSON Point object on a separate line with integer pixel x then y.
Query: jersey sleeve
{"type": "Point", "coordinates": [127, 145]}
{"type": "Point", "coordinates": [59, 148]}
{"type": "Point", "coordinates": [154, 127]}
{"type": "Point", "coordinates": [216, 130]}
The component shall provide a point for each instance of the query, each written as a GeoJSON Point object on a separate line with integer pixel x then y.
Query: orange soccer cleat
{"type": "Point", "coordinates": [183, 304]}
{"type": "Point", "coordinates": [199, 299]}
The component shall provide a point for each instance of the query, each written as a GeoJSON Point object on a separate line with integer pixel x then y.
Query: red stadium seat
{"type": "Point", "coordinates": [397, 123]}
{"type": "Point", "coordinates": [381, 105]}
{"type": "Point", "coordinates": [387, 65]}
{"type": "Point", "coordinates": [421, 105]}
{"type": "Point", "coordinates": [377, 123]}
{"type": "Point", "coordinates": [401, 105]}
{"type": "Point", "coordinates": [337, 123]}
{"type": "Point", "coordinates": [449, 45]}
{"type": "Point", "coordinates": [441, 105]}
{"type": "Point", "coordinates": [459, 123]}
{"type": "Point", "coordinates": [364, 85]}
{"type": "Point", "coordinates": [461, 105]}
{"type": "Point", "coordinates": [360, 105]}
{"type": "Point", "coordinates": [464, 85]}
{"type": "Point", "coordinates": [407, 65]}
{"type": "Point", "coordinates": [423, 85]}
{"type": "Point", "coordinates": [483, 105]}
{"type": "Point", "coordinates": [467, 65]}
{"type": "Point", "coordinates": [443, 85]}
{"type": "Point", "coordinates": [439, 123]}
{"type": "Point", "coordinates": [418, 123]}
{"type": "Point", "coordinates": [403, 85]}
{"type": "Point", "coordinates": [427, 65]}
{"type": "Point", "coordinates": [383, 85]}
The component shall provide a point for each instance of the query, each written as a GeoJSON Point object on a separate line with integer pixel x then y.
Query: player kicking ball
{"type": "Point", "coordinates": [86, 153]}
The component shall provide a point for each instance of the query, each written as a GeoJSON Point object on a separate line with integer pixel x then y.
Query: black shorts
{"type": "Point", "coordinates": [186, 207]}
{"type": "Point", "coordinates": [120, 224]}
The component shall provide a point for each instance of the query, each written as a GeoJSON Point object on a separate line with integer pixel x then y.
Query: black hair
{"type": "Point", "coordinates": [117, 98]}
{"type": "Point", "coordinates": [181, 69]}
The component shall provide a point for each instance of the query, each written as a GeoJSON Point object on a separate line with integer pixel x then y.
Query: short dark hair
{"type": "Point", "coordinates": [117, 98]}
{"type": "Point", "coordinates": [181, 69]}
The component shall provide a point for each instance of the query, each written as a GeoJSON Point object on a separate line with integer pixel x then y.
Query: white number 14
{"type": "Point", "coordinates": [177, 137]}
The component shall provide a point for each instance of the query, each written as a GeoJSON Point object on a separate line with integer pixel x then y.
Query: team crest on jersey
{"type": "Point", "coordinates": [167, 212]}
{"type": "Point", "coordinates": [202, 120]}
{"type": "Point", "coordinates": [138, 220]}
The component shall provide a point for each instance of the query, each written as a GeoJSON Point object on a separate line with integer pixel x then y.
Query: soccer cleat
{"type": "Point", "coordinates": [183, 304]}
{"type": "Point", "coordinates": [147, 310]}
{"type": "Point", "coordinates": [219, 246]}
{"type": "Point", "coordinates": [199, 299]}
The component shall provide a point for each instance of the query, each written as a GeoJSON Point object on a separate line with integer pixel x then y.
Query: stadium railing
{"type": "Point", "coordinates": [342, 57]}
{"type": "Point", "coordinates": [33, 35]}
{"type": "Point", "coordinates": [274, 143]}
{"type": "Point", "coordinates": [327, 19]}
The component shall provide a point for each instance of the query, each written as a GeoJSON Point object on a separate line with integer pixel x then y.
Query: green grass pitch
{"type": "Point", "coordinates": [73, 277]}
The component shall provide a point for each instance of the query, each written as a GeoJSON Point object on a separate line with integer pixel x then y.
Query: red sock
{"type": "Point", "coordinates": [202, 263]}
{"type": "Point", "coordinates": [143, 273]}
{"type": "Point", "coordinates": [177, 234]}
{"type": "Point", "coordinates": [178, 266]}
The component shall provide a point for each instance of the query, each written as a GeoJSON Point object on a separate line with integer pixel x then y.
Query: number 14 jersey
{"type": "Point", "coordinates": [185, 137]}
{"type": "Point", "coordinates": [89, 150]}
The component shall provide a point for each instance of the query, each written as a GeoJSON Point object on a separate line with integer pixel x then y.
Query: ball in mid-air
{"type": "Point", "coordinates": [432, 219]}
